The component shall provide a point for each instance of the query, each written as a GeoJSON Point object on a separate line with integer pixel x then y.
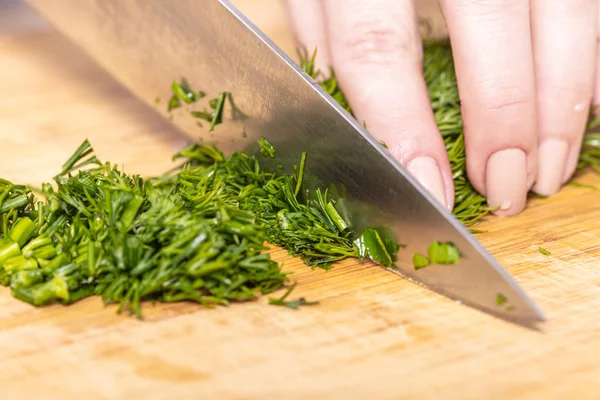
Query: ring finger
{"type": "Point", "coordinates": [564, 53]}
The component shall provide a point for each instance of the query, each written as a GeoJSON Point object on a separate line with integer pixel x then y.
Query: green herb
{"type": "Point", "coordinates": [374, 244]}
{"type": "Point", "coordinates": [382, 142]}
{"type": "Point", "coordinates": [266, 148]}
{"type": "Point", "coordinates": [443, 253]}
{"type": "Point", "coordinates": [217, 115]}
{"type": "Point", "coordinates": [500, 299]}
{"type": "Point", "coordinates": [439, 253]}
{"type": "Point", "coordinates": [477, 231]}
{"type": "Point", "coordinates": [196, 233]}
{"type": "Point", "coordinates": [293, 304]}
{"type": "Point", "coordinates": [183, 92]}
{"type": "Point", "coordinates": [420, 261]}
{"type": "Point", "coordinates": [128, 239]}
{"type": "Point", "coordinates": [173, 103]}
{"type": "Point", "coordinates": [582, 185]}
{"type": "Point", "coordinates": [440, 77]}
{"type": "Point", "coordinates": [544, 251]}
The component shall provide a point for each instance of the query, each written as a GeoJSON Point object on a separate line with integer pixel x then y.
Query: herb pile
{"type": "Point", "coordinates": [440, 77]}
{"type": "Point", "coordinates": [195, 234]}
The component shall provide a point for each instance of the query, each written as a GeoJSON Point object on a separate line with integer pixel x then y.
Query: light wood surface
{"type": "Point", "coordinates": [374, 335]}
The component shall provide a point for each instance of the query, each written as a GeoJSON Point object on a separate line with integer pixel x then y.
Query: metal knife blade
{"type": "Point", "coordinates": [146, 44]}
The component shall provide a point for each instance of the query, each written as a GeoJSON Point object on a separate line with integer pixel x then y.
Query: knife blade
{"type": "Point", "coordinates": [146, 44]}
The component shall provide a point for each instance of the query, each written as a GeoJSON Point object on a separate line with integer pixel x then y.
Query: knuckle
{"type": "Point", "coordinates": [377, 41]}
{"type": "Point", "coordinates": [512, 99]}
{"type": "Point", "coordinates": [574, 92]}
{"type": "Point", "coordinates": [489, 9]}
{"type": "Point", "coordinates": [492, 5]}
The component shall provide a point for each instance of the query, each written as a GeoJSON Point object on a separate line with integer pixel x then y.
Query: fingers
{"type": "Point", "coordinates": [307, 19]}
{"type": "Point", "coordinates": [495, 74]}
{"type": "Point", "coordinates": [564, 53]}
{"type": "Point", "coordinates": [377, 55]}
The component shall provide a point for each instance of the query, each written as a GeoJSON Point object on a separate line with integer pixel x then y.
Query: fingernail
{"type": "Point", "coordinates": [552, 159]}
{"type": "Point", "coordinates": [571, 164]}
{"type": "Point", "coordinates": [506, 181]}
{"type": "Point", "coordinates": [427, 172]}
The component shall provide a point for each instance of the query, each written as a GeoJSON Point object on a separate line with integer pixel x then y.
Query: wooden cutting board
{"type": "Point", "coordinates": [374, 334]}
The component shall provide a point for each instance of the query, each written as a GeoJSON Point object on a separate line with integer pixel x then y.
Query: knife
{"type": "Point", "coordinates": [147, 44]}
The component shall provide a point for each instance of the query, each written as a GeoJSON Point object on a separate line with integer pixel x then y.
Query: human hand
{"type": "Point", "coordinates": [526, 72]}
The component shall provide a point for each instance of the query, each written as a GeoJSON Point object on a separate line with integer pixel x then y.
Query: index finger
{"type": "Point", "coordinates": [377, 55]}
{"type": "Point", "coordinates": [492, 49]}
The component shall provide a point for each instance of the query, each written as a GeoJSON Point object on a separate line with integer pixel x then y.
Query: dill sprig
{"type": "Point", "coordinates": [440, 77]}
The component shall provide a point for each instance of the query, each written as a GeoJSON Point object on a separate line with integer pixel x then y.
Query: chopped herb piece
{"type": "Point", "coordinates": [383, 144]}
{"type": "Point", "coordinates": [205, 115]}
{"type": "Point", "coordinates": [173, 103]}
{"type": "Point", "coordinates": [375, 245]}
{"type": "Point", "coordinates": [544, 251]}
{"type": "Point", "coordinates": [266, 148]}
{"type": "Point", "coordinates": [443, 253]}
{"type": "Point", "coordinates": [420, 261]}
{"type": "Point", "coordinates": [477, 231]}
{"type": "Point", "coordinates": [537, 196]}
{"type": "Point", "coordinates": [217, 115]}
{"type": "Point", "coordinates": [293, 304]}
{"type": "Point", "coordinates": [183, 92]}
{"type": "Point", "coordinates": [582, 185]}
{"type": "Point", "coordinates": [500, 299]}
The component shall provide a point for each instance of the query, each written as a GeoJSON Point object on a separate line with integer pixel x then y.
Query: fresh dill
{"type": "Point", "coordinates": [440, 78]}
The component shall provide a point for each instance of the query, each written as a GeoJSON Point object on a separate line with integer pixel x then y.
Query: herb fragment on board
{"type": "Point", "coordinates": [173, 103]}
{"type": "Point", "coordinates": [438, 253]}
{"type": "Point", "coordinates": [293, 304]}
{"type": "Point", "coordinates": [582, 185]}
{"type": "Point", "coordinates": [544, 251]}
{"type": "Point", "coordinates": [420, 261]}
{"type": "Point", "coordinates": [443, 253]}
{"type": "Point", "coordinates": [182, 92]}
{"type": "Point", "coordinates": [500, 299]}
{"type": "Point", "coordinates": [217, 114]}
{"type": "Point", "coordinates": [266, 148]}
{"type": "Point", "coordinates": [378, 246]}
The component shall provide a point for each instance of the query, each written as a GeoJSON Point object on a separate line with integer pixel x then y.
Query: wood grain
{"type": "Point", "coordinates": [374, 335]}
